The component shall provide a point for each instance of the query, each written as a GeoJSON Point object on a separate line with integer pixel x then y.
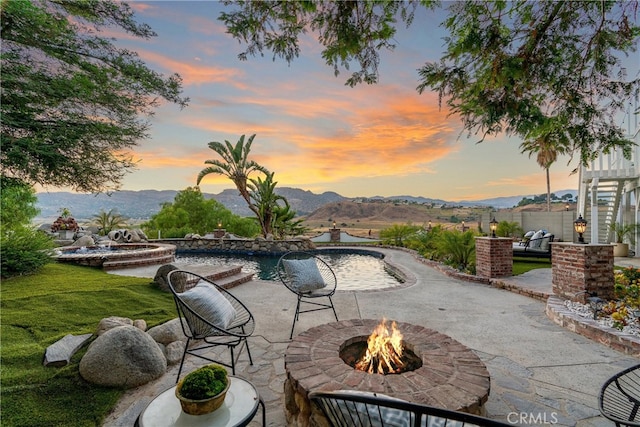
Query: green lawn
{"type": "Point", "coordinates": [522, 265]}
{"type": "Point", "coordinates": [38, 310]}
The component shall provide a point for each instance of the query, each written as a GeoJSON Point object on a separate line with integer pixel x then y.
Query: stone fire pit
{"type": "Point", "coordinates": [451, 375]}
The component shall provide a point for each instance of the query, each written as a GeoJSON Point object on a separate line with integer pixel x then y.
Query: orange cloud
{"type": "Point", "coordinates": [397, 138]}
{"type": "Point", "coordinates": [330, 137]}
{"type": "Point", "coordinates": [194, 74]}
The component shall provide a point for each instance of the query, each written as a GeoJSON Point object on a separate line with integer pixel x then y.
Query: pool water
{"type": "Point", "coordinates": [354, 271]}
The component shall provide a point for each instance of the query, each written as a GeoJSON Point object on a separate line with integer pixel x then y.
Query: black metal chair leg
{"type": "Point", "coordinates": [295, 318]}
{"type": "Point", "coordinates": [333, 308]}
{"type": "Point", "coordinates": [184, 355]}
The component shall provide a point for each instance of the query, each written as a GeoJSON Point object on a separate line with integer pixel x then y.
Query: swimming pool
{"type": "Point", "coordinates": [355, 271]}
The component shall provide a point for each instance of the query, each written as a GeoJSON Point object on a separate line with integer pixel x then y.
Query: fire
{"type": "Point", "coordinates": [384, 351]}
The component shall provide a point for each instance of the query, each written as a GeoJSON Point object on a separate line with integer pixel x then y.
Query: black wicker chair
{"type": "Point", "coordinates": [326, 283]}
{"type": "Point", "coordinates": [198, 300]}
{"type": "Point", "coordinates": [347, 408]}
{"type": "Point", "coordinates": [619, 398]}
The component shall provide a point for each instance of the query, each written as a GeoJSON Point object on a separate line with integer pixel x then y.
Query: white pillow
{"type": "Point", "coordinates": [544, 243]}
{"type": "Point", "coordinates": [536, 243]}
{"type": "Point", "coordinates": [528, 234]}
{"type": "Point", "coordinates": [304, 274]}
{"type": "Point", "coordinates": [210, 304]}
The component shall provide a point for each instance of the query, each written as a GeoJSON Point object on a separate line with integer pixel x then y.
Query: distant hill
{"type": "Point", "coordinates": [347, 210]}
{"type": "Point", "coordinates": [509, 202]}
{"type": "Point", "coordinates": [143, 204]}
{"type": "Point", "coordinates": [132, 204]}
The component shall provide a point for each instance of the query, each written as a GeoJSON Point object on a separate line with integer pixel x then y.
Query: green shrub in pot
{"type": "Point", "coordinates": [204, 382]}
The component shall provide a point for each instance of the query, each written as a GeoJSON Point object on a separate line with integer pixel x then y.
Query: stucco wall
{"type": "Point", "coordinates": [558, 223]}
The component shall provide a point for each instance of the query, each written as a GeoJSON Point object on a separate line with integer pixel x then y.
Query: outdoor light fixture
{"type": "Point", "coordinates": [493, 225]}
{"type": "Point", "coordinates": [597, 304]}
{"type": "Point", "coordinates": [429, 226]}
{"type": "Point", "coordinates": [463, 226]}
{"type": "Point", "coordinates": [334, 225]}
{"type": "Point", "coordinates": [566, 207]}
{"type": "Point", "coordinates": [219, 225]}
{"type": "Point", "coordinates": [580, 225]}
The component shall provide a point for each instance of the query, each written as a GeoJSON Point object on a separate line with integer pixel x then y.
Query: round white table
{"type": "Point", "coordinates": [239, 407]}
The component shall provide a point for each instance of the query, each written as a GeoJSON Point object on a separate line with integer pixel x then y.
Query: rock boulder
{"type": "Point", "coordinates": [168, 332]}
{"type": "Point", "coordinates": [123, 357]}
{"type": "Point", "coordinates": [112, 322]}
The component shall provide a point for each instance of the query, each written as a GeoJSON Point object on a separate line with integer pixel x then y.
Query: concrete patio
{"type": "Point", "coordinates": [540, 372]}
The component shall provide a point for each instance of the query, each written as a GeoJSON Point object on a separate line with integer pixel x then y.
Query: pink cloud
{"type": "Point", "coordinates": [195, 74]}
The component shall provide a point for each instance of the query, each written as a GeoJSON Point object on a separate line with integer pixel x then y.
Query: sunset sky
{"type": "Point", "coordinates": [314, 132]}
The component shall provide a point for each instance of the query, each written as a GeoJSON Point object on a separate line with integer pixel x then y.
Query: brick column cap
{"type": "Point", "coordinates": [493, 238]}
{"type": "Point", "coordinates": [587, 245]}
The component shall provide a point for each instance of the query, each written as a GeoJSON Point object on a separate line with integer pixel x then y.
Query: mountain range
{"type": "Point", "coordinates": [145, 203]}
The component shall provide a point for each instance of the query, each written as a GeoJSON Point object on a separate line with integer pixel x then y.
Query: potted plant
{"type": "Point", "coordinates": [203, 390]}
{"type": "Point", "coordinates": [622, 232]}
{"type": "Point", "coordinates": [66, 225]}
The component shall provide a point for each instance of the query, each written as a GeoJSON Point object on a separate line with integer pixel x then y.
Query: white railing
{"type": "Point", "coordinates": [614, 165]}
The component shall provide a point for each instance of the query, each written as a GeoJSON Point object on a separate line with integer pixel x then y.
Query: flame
{"type": "Point", "coordinates": [384, 350]}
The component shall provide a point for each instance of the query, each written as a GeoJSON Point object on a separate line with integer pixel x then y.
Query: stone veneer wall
{"type": "Point", "coordinates": [494, 257]}
{"type": "Point", "coordinates": [577, 268]}
{"type": "Point", "coordinates": [239, 245]}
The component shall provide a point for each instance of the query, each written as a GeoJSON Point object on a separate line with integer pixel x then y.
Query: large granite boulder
{"type": "Point", "coordinates": [168, 332]}
{"type": "Point", "coordinates": [84, 241]}
{"type": "Point", "coordinates": [174, 351]}
{"type": "Point", "coordinates": [141, 234]}
{"type": "Point", "coordinates": [111, 322]}
{"type": "Point", "coordinates": [123, 357]}
{"type": "Point", "coordinates": [160, 278]}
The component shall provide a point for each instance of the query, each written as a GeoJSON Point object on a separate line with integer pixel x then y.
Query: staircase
{"type": "Point", "coordinates": [226, 277]}
{"type": "Point", "coordinates": [610, 186]}
{"type": "Point", "coordinates": [607, 195]}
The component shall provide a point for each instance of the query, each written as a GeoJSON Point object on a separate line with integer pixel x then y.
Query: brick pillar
{"type": "Point", "coordinates": [577, 268]}
{"type": "Point", "coordinates": [494, 257]}
{"type": "Point", "coordinates": [335, 235]}
{"type": "Point", "coordinates": [219, 232]}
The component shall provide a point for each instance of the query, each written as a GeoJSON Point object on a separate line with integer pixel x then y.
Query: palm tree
{"type": "Point", "coordinates": [235, 165]}
{"type": "Point", "coordinates": [284, 222]}
{"type": "Point", "coordinates": [265, 200]}
{"type": "Point", "coordinates": [547, 153]}
{"type": "Point", "coordinates": [107, 221]}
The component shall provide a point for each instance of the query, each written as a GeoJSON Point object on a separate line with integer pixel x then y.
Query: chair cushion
{"type": "Point", "coordinates": [210, 304]}
{"type": "Point", "coordinates": [536, 239]}
{"type": "Point", "coordinates": [304, 274]}
{"type": "Point", "coordinates": [544, 243]}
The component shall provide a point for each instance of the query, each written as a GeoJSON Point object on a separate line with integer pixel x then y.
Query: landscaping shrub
{"type": "Point", "coordinates": [23, 249]}
{"type": "Point", "coordinates": [191, 213]}
{"type": "Point", "coordinates": [457, 249]}
{"type": "Point", "coordinates": [424, 242]}
{"type": "Point", "coordinates": [397, 233]}
{"type": "Point", "coordinates": [509, 229]}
